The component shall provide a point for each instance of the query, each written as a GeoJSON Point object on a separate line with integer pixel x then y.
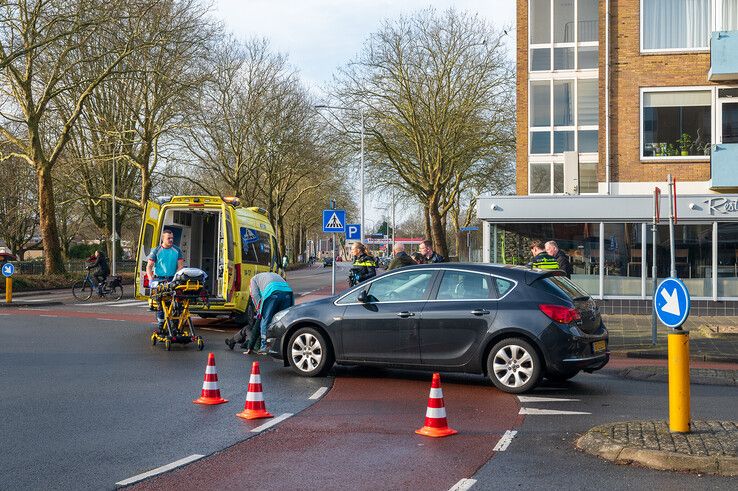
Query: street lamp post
{"type": "Point", "coordinates": [361, 178]}
{"type": "Point", "coordinates": [112, 237]}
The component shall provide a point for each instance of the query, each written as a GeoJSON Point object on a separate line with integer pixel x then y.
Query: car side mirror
{"type": "Point", "coordinates": [363, 297]}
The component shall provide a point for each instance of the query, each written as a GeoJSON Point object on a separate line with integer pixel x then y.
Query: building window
{"type": "Point", "coordinates": [728, 15]}
{"type": "Point", "coordinates": [563, 34]}
{"type": "Point", "coordinates": [675, 24]}
{"type": "Point", "coordinates": [676, 124]}
{"type": "Point", "coordinates": [587, 177]}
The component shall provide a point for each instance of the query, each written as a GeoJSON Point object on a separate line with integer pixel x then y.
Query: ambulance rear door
{"type": "Point", "coordinates": [226, 264]}
{"type": "Point", "coordinates": [147, 240]}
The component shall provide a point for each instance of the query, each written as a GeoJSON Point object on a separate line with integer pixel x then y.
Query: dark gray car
{"type": "Point", "coordinates": [510, 323]}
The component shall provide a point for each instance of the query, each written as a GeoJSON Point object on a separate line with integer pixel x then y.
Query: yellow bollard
{"type": "Point", "coordinates": [8, 289]}
{"type": "Point", "coordinates": [679, 382]}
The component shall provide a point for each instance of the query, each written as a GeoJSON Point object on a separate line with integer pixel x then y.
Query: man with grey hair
{"type": "Point", "coordinates": [401, 257]}
{"type": "Point", "coordinates": [552, 248]}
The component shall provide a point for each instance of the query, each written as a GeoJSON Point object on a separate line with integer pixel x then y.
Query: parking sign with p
{"type": "Point", "coordinates": [353, 231]}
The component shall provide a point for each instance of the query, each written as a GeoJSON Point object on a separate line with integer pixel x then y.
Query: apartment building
{"type": "Point", "coordinates": [612, 97]}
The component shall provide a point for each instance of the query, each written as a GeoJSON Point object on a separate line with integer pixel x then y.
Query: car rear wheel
{"type": "Point", "coordinates": [308, 353]}
{"type": "Point", "coordinates": [514, 366]}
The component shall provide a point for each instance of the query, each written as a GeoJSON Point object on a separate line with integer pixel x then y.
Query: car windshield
{"type": "Point", "coordinates": [561, 286]}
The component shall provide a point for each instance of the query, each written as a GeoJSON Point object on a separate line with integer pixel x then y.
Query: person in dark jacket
{"type": "Point", "coordinates": [364, 266]}
{"type": "Point", "coordinates": [541, 259]}
{"type": "Point", "coordinates": [401, 258]}
{"type": "Point", "coordinates": [100, 269]}
{"type": "Point", "coordinates": [552, 248]}
{"type": "Point", "coordinates": [429, 257]}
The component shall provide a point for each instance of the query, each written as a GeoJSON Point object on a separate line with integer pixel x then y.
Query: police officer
{"type": "Point", "coordinates": [541, 259]}
{"type": "Point", "coordinates": [365, 266]}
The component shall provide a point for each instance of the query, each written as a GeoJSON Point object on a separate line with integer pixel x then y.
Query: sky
{"type": "Point", "coordinates": [319, 36]}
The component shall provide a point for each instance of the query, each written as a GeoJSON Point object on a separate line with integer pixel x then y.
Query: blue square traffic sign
{"type": "Point", "coordinates": [353, 231]}
{"type": "Point", "coordinates": [334, 220]}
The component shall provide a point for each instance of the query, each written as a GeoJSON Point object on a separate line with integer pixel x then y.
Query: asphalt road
{"type": "Point", "coordinates": [88, 402]}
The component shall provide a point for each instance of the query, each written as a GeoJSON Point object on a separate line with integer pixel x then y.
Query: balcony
{"type": "Point", "coordinates": [724, 166]}
{"type": "Point", "coordinates": [723, 56]}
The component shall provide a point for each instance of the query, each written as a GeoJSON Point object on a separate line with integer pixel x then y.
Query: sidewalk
{"type": "Point", "coordinates": [710, 338]}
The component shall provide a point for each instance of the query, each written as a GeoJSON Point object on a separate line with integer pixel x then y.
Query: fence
{"type": "Point", "coordinates": [72, 266]}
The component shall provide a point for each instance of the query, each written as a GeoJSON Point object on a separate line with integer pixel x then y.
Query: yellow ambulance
{"type": "Point", "coordinates": [229, 242]}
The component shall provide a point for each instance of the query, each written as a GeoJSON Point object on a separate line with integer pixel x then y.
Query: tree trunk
{"type": "Point", "coordinates": [438, 233]}
{"type": "Point", "coordinates": [426, 216]}
{"type": "Point", "coordinates": [53, 262]}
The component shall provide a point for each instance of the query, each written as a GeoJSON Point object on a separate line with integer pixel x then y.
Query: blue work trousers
{"type": "Point", "coordinates": [271, 305]}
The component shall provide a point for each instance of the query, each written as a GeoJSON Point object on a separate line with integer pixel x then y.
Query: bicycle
{"type": "Point", "coordinates": [112, 287]}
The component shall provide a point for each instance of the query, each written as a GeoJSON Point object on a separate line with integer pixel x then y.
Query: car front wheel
{"type": "Point", "coordinates": [308, 353]}
{"type": "Point", "coordinates": [514, 366]}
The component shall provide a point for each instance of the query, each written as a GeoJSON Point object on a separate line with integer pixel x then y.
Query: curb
{"type": "Point", "coordinates": [27, 304]}
{"type": "Point", "coordinates": [656, 459]}
{"type": "Point", "coordinates": [657, 355]}
{"type": "Point", "coordinates": [696, 378]}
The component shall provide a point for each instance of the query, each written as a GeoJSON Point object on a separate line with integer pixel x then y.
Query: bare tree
{"type": "Point", "coordinates": [437, 91]}
{"type": "Point", "coordinates": [66, 35]}
{"type": "Point", "coordinates": [18, 208]}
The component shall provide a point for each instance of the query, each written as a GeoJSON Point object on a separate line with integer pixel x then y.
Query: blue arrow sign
{"type": "Point", "coordinates": [353, 231]}
{"type": "Point", "coordinates": [334, 220]}
{"type": "Point", "coordinates": [8, 270]}
{"type": "Point", "coordinates": [672, 302]}
{"type": "Point", "coordinates": [469, 229]}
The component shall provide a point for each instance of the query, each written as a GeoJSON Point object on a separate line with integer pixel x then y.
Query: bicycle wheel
{"type": "Point", "coordinates": [82, 290]}
{"type": "Point", "coordinates": [116, 292]}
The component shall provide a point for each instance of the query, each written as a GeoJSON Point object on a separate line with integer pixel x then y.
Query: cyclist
{"type": "Point", "coordinates": [163, 263]}
{"type": "Point", "coordinates": [102, 270]}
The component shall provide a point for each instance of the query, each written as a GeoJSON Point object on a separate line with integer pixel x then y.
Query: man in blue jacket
{"type": "Point", "coordinates": [163, 263]}
{"type": "Point", "coordinates": [270, 294]}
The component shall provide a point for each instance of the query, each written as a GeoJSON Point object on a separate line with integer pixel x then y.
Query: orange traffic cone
{"type": "Point", "coordinates": [435, 416]}
{"type": "Point", "coordinates": [254, 407]}
{"type": "Point", "coordinates": [210, 391]}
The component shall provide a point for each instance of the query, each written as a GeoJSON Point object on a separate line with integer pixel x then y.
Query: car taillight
{"type": "Point", "coordinates": [560, 314]}
{"type": "Point", "coordinates": [237, 279]}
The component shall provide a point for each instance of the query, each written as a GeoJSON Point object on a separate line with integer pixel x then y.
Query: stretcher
{"type": "Point", "coordinates": [173, 299]}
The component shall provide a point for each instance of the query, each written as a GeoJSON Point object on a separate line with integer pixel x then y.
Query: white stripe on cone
{"type": "Point", "coordinates": [210, 386]}
{"type": "Point", "coordinates": [255, 379]}
{"type": "Point", "coordinates": [210, 370]}
{"type": "Point", "coordinates": [254, 396]}
{"type": "Point", "coordinates": [436, 393]}
{"type": "Point", "coordinates": [435, 412]}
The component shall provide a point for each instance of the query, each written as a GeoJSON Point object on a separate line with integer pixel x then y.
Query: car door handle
{"type": "Point", "coordinates": [405, 315]}
{"type": "Point", "coordinates": [480, 312]}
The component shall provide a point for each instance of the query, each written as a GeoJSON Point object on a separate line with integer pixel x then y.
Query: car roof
{"type": "Point", "coordinates": [515, 272]}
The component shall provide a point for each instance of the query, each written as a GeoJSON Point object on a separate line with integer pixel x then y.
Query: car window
{"type": "Point", "coordinates": [463, 285]}
{"type": "Point", "coordinates": [503, 286]}
{"type": "Point", "coordinates": [561, 286]}
{"type": "Point", "coordinates": [401, 287]}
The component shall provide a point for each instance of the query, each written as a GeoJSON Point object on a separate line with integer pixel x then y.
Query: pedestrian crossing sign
{"type": "Point", "coordinates": [334, 220]}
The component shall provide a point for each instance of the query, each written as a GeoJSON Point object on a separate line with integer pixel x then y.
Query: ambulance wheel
{"type": "Point", "coordinates": [168, 345]}
{"type": "Point", "coordinates": [200, 344]}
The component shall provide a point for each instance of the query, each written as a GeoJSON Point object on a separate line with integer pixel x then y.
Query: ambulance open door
{"type": "Point", "coordinates": [147, 240]}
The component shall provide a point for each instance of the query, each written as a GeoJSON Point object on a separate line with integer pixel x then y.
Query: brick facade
{"type": "Point", "coordinates": [629, 72]}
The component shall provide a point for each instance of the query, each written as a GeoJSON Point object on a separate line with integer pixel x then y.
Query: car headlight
{"type": "Point", "coordinates": [278, 316]}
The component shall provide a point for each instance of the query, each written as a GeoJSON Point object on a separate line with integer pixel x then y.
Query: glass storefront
{"type": "Point", "coordinates": [623, 253]}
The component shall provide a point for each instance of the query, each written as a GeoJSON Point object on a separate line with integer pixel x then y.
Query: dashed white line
{"type": "Point", "coordinates": [463, 485]}
{"type": "Point", "coordinates": [95, 304]}
{"type": "Point", "coordinates": [319, 393]}
{"type": "Point", "coordinates": [505, 441]}
{"type": "Point", "coordinates": [271, 423]}
{"type": "Point", "coordinates": [35, 310]}
{"type": "Point", "coordinates": [129, 303]}
{"type": "Point", "coordinates": [4, 314]}
{"type": "Point", "coordinates": [47, 315]}
{"type": "Point", "coordinates": [543, 399]}
{"type": "Point", "coordinates": [547, 412]}
{"type": "Point", "coordinates": [159, 470]}
{"type": "Point", "coordinates": [211, 329]}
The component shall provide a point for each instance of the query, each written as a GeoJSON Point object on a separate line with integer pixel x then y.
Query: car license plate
{"type": "Point", "coordinates": [598, 346]}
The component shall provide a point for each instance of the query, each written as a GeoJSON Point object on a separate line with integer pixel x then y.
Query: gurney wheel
{"type": "Point", "coordinates": [153, 339]}
{"type": "Point", "coordinates": [200, 344]}
{"type": "Point", "coordinates": [168, 345]}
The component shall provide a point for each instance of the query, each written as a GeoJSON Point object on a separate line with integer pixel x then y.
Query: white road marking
{"type": "Point", "coordinates": [547, 412]}
{"type": "Point", "coordinates": [47, 315]}
{"type": "Point", "coordinates": [48, 299]}
{"type": "Point", "coordinates": [306, 293]}
{"type": "Point", "coordinates": [271, 423]}
{"type": "Point", "coordinates": [543, 399]}
{"type": "Point", "coordinates": [159, 470]}
{"type": "Point", "coordinates": [129, 303]}
{"type": "Point", "coordinates": [95, 304]}
{"type": "Point", "coordinates": [210, 329]}
{"type": "Point", "coordinates": [319, 393]}
{"type": "Point", "coordinates": [505, 441]}
{"type": "Point", "coordinates": [35, 310]}
{"type": "Point", "coordinates": [463, 485]}
{"type": "Point", "coordinates": [4, 314]}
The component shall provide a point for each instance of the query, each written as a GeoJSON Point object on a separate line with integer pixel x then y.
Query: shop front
{"type": "Point", "coordinates": [610, 242]}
